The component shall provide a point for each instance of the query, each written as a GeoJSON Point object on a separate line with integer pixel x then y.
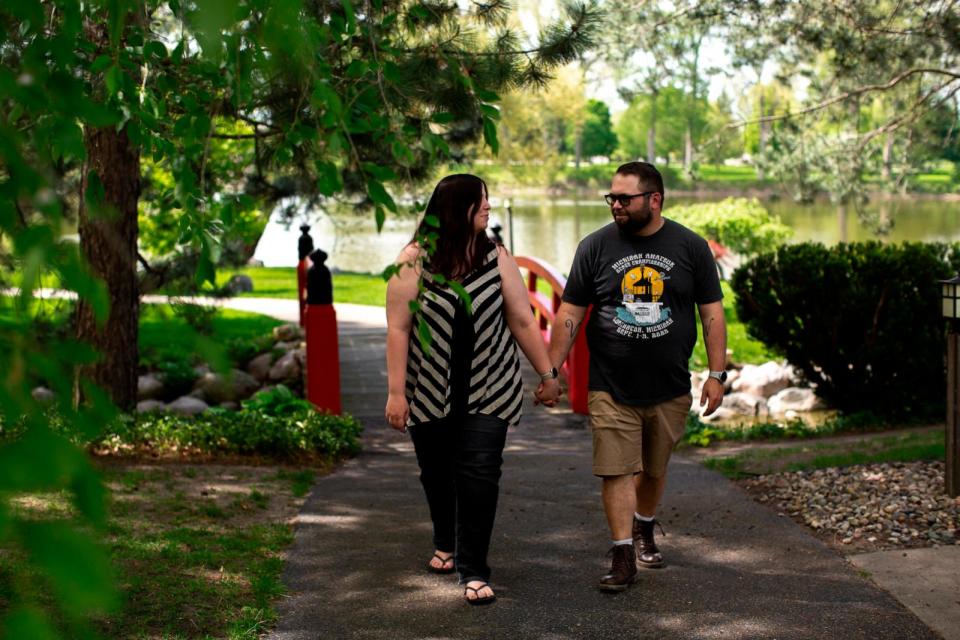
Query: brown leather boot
{"type": "Point", "coordinates": [623, 569]}
{"type": "Point", "coordinates": [648, 555]}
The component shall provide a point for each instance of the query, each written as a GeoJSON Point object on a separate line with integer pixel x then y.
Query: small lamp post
{"type": "Point", "coordinates": [950, 305]}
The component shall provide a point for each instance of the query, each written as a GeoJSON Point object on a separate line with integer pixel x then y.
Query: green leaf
{"type": "Point", "coordinates": [432, 221]}
{"type": "Point", "coordinates": [324, 96]}
{"type": "Point", "coordinates": [155, 49]}
{"type": "Point", "coordinates": [27, 622]}
{"type": "Point", "coordinates": [490, 135]}
{"type": "Point", "coordinates": [101, 63]}
{"type": "Point", "coordinates": [357, 69]}
{"type": "Point", "coordinates": [379, 195]}
{"type": "Point", "coordinates": [490, 111]}
{"type": "Point", "coordinates": [350, 16]}
{"type": "Point", "coordinates": [426, 338]}
{"type": "Point", "coordinates": [487, 96]}
{"type": "Point", "coordinates": [95, 194]}
{"type": "Point", "coordinates": [381, 217]}
{"type": "Point", "coordinates": [388, 272]}
{"type": "Point", "coordinates": [113, 79]}
{"type": "Point", "coordinates": [78, 569]}
{"type": "Point", "coordinates": [329, 180]}
{"type": "Point", "coordinates": [464, 295]}
{"type": "Point", "coordinates": [380, 172]}
{"type": "Point", "coordinates": [444, 117]}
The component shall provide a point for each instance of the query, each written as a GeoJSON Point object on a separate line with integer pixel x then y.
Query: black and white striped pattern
{"type": "Point", "coordinates": [496, 388]}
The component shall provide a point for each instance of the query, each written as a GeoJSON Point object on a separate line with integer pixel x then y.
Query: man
{"type": "Point", "coordinates": [643, 274]}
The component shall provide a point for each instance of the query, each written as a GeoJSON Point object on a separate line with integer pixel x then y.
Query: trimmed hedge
{"type": "Point", "coordinates": [862, 320]}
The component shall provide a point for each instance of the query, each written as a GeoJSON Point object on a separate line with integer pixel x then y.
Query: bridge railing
{"type": "Point", "coordinates": [545, 306]}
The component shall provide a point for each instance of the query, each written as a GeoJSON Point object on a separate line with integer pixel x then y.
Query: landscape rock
{"type": "Point", "coordinates": [745, 404]}
{"type": "Point", "coordinates": [259, 367]}
{"type": "Point", "coordinates": [764, 380]}
{"type": "Point", "coordinates": [288, 333]}
{"type": "Point", "coordinates": [218, 388]}
{"type": "Point", "coordinates": [187, 406]}
{"type": "Point", "coordinates": [149, 406]}
{"type": "Point", "coordinates": [239, 283]}
{"type": "Point", "coordinates": [149, 387]}
{"type": "Point", "coordinates": [722, 413]}
{"type": "Point", "coordinates": [229, 405]}
{"type": "Point", "coordinates": [286, 368]}
{"type": "Point", "coordinates": [795, 399]}
{"type": "Point", "coordinates": [43, 395]}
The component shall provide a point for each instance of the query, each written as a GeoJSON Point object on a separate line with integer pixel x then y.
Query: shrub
{"type": "Point", "coordinates": [742, 225]}
{"type": "Point", "coordinates": [199, 317]}
{"type": "Point", "coordinates": [178, 377]}
{"type": "Point", "coordinates": [862, 321]}
{"type": "Point", "coordinates": [278, 401]}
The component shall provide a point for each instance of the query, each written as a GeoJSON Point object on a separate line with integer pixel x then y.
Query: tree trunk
{"type": "Point", "coordinates": [578, 147]}
{"type": "Point", "coordinates": [688, 149]}
{"type": "Point", "coordinates": [652, 131]}
{"type": "Point", "coordinates": [762, 145]}
{"type": "Point", "coordinates": [886, 169]}
{"type": "Point", "coordinates": [108, 242]}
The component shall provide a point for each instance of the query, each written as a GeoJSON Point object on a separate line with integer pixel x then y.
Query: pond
{"type": "Point", "coordinates": [551, 229]}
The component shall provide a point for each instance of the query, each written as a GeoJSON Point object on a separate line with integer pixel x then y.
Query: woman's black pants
{"type": "Point", "coordinates": [460, 459]}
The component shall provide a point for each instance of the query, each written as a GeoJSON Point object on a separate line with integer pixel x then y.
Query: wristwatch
{"type": "Point", "coordinates": [719, 375]}
{"type": "Point", "coordinates": [549, 375]}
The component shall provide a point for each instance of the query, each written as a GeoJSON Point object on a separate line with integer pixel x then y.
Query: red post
{"type": "Point", "coordinates": [302, 267]}
{"type": "Point", "coordinates": [577, 368]}
{"type": "Point", "coordinates": [323, 358]}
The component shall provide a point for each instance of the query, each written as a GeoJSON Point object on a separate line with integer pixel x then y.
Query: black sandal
{"type": "Point", "coordinates": [443, 570]}
{"type": "Point", "coordinates": [478, 601]}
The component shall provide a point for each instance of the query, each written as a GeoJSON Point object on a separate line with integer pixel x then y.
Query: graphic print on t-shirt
{"type": "Point", "coordinates": [643, 314]}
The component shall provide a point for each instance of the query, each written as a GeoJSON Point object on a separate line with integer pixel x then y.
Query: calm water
{"type": "Point", "coordinates": [551, 229]}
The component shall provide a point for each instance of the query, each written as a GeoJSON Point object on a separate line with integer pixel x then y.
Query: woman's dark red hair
{"type": "Point", "coordinates": [459, 248]}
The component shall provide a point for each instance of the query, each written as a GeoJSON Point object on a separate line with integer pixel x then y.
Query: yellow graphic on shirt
{"type": "Point", "coordinates": [642, 284]}
{"type": "Point", "coordinates": [642, 288]}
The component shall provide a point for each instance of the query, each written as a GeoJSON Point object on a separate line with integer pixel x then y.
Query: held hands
{"type": "Point", "coordinates": [397, 412]}
{"type": "Point", "coordinates": [548, 393]}
{"type": "Point", "coordinates": [711, 394]}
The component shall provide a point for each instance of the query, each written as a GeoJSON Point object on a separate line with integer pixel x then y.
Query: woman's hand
{"type": "Point", "coordinates": [397, 412]}
{"type": "Point", "coordinates": [548, 393]}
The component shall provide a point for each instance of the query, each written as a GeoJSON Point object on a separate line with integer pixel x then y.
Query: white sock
{"type": "Point", "coordinates": [617, 543]}
{"type": "Point", "coordinates": [642, 518]}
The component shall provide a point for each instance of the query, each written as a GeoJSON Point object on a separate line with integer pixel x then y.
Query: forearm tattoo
{"type": "Point", "coordinates": [706, 328]}
{"type": "Point", "coordinates": [572, 326]}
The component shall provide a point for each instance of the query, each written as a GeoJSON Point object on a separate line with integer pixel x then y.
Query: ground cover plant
{"type": "Point", "coordinates": [922, 444]}
{"type": "Point", "coordinates": [196, 550]}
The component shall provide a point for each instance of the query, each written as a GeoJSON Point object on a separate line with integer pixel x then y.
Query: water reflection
{"type": "Point", "coordinates": [551, 229]}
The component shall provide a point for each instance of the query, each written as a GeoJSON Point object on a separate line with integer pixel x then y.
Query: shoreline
{"type": "Point", "coordinates": [763, 194]}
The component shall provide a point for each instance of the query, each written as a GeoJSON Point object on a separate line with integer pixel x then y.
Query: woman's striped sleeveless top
{"type": "Point", "coordinates": [496, 388]}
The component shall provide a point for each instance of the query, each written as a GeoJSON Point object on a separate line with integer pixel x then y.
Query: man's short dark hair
{"type": "Point", "coordinates": [648, 175]}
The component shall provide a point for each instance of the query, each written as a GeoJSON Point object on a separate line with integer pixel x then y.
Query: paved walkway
{"type": "Point", "coordinates": [736, 569]}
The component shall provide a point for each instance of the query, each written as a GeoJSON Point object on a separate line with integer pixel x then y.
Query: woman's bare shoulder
{"type": "Point", "coordinates": [411, 253]}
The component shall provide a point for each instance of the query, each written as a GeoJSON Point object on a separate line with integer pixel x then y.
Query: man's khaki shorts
{"type": "Point", "coordinates": [628, 439]}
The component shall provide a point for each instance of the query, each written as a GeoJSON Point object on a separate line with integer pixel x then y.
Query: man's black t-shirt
{"type": "Point", "coordinates": [644, 291]}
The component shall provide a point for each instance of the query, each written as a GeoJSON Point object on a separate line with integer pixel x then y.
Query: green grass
{"type": "Point", "coordinates": [187, 566]}
{"type": "Point", "coordinates": [911, 447]}
{"type": "Point", "coordinates": [745, 349]}
{"type": "Point", "coordinates": [722, 173]}
{"type": "Point", "coordinates": [281, 282]}
{"type": "Point", "coordinates": [158, 323]}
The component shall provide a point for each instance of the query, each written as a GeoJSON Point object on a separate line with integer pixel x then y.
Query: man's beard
{"type": "Point", "coordinates": [633, 224]}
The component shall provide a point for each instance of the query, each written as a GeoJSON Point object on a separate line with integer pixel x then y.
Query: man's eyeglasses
{"type": "Point", "coordinates": [625, 198]}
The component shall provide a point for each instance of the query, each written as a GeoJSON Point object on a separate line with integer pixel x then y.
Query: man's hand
{"type": "Point", "coordinates": [397, 412]}
{"type": "Point", "coordinates": [548, 393]}
{"type": "Point", "coordinates": [712, 391]}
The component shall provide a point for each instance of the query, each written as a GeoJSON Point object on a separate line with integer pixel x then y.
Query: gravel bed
{"type": "Point", "coordinates": [867, 507]}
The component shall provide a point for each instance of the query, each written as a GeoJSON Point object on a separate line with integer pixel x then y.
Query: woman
{"type": "Point", "coordinates": [459, 395]}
